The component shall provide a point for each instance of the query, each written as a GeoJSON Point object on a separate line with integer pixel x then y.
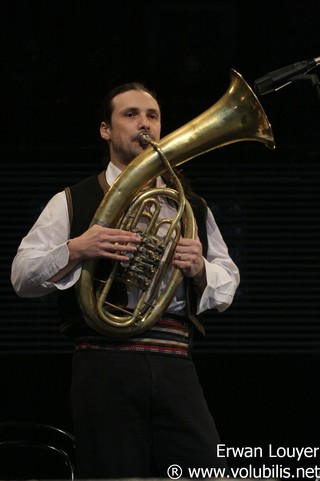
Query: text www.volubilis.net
{"type": "Point", "coordinates": [276, 471]}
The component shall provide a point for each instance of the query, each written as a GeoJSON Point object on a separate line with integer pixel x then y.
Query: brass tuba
{"type": "Point", "coordinates": [237, 116]}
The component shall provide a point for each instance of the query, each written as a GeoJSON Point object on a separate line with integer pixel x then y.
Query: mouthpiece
{"type": "Point", "coordinates": [144, 139]}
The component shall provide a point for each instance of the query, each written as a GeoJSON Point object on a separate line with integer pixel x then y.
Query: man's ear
{"type": "Point", "coordinates": [105, 131]}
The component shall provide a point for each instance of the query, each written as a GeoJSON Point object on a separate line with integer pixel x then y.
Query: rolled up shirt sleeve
{"type": "Point", "coordinates": [222, 274]}
{"type": "Point", "coordinates": [43, 252]}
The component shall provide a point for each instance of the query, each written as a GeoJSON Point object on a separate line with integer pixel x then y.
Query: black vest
{"type": "Point", "coordinates": [83, 200]}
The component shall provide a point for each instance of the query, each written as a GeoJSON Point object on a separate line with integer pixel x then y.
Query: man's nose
{"type": "Point", "coordinates": [144, 123]}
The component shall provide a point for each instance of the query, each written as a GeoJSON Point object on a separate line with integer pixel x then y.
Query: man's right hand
{"type": "Point", "coordinates": [103, 242]}
{"type": "Point", "coordinates": [98, 242]}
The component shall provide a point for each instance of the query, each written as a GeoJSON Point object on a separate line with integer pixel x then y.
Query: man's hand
{"type": "Point", "coordinates": [188, 257]}
{"type": "Point", "coordinates": [98, 242]}
{"type": "Point", "coordinates": [103, 242]}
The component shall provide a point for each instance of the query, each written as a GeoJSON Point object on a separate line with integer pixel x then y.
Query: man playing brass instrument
{"type": "Point", "coordinates": [137, 404]}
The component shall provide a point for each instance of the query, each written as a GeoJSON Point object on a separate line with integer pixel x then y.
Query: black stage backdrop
{"type": "Point", "coordinates": [259, 361]}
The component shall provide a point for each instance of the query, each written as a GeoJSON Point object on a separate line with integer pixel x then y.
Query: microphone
{"type": "Point", "coordinates": [283, 76]}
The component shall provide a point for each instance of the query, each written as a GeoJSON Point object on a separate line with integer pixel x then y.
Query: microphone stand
{"type": "Point", "coordinates": [315, 81]}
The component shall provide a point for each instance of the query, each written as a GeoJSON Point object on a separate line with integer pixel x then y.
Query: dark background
{"type": "Point", "coordinates": [259, 362]}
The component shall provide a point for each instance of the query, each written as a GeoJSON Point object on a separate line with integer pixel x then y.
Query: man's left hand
{"type": "Point", "coordinates": [188, 257]}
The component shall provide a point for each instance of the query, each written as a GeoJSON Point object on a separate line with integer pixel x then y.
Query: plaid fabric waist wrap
{"type": "Point", "coordinates": [170, 336]}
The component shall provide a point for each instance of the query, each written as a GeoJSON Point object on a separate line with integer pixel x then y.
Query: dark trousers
{"type": "Point", "coordinates": [137, 414]}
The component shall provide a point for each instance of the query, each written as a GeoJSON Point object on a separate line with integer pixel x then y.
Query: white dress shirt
{"type": "Point", "coordinates": [43, 252]}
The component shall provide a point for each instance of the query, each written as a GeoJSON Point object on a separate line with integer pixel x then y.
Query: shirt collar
{"type": "Point", "coordinates": [113, 172]}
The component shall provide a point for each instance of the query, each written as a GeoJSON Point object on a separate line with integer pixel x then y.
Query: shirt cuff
{"type": "Point", "coordinates": [219, 291]}
{"type": "Point", "coordinates": [60, 258]}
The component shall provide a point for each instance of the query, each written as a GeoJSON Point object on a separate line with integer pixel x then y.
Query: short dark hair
{"type": "Point", "coordinates": [107, 104]}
